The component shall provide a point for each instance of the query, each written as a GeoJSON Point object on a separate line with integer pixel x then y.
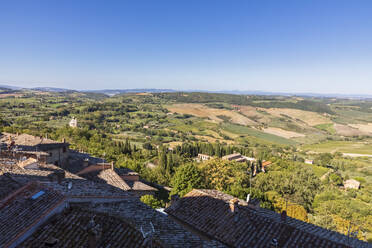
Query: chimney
{"type": "Point", "coordinates": [17, 134]}
{"type": "Point", "coordinates": [112, 165]}
{"type": "Point", "coordinates": [86, 162]}
{"type": "Point", "coordinates": [174, 199]}
{"type": "Point", "coordinates": [60, 176]}
{"type": "Point", "coordinates": [94, 233]}
{"type": "Point", "coordinates": [63, 140]}
{"type": "Point", "coordinates": [233, 203]}
{"type": "Point", "coordinates": [283, 216]}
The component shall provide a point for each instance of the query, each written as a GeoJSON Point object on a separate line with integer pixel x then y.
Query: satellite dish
{"type": "Point", "coordinates": [69, 186]}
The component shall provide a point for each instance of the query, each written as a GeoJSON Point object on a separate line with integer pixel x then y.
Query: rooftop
{"type": "Point", "coordinates": [104, 174]}
{"type": "Point", "coordinates": [21, 209]}
{"type": "Point", "coordinates": [232, 156]}
{"type": "Point", "coordinates": [167, 231]}
{"type": "Point", "coordinates": [72, 227]}
{"type": "Point", "coordinates": [25, 139]}
{"type": "Point", "coordinates": [208, 211]}
{"type": "Point", "coordinates": [71, 185]}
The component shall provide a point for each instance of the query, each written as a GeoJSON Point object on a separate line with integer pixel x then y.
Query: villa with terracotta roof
{"type": "Point", "coordinates": [236, 223]}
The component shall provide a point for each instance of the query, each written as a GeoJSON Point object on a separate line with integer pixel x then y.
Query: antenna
{"type": "Point", "coordinates": [148, 235]}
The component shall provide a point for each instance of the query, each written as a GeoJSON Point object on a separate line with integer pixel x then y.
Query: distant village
{"type": "Point", "coordinates": [53, 196]}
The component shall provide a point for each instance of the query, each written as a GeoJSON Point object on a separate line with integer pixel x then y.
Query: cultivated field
{"type": "Point", "coordinates": [365, 128]}
{"type": "Point", "coordinates": [282, 133]}
{"type": "Point", "coordinates": [359, 147]}
{"type": "Point", "coordinates": [200, 110]}
{"type": "Point", "coordinates": [310, 118]}
{"type": "Point", "coordinates": [346, 130]}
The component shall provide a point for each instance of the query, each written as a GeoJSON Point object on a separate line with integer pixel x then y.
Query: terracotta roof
{"type": "Point", "coordinates": [104, 174]}
{"type": "Point", "coordinates": [266, 163]}
{"type": "Point", "coordinates": [80, 187]}
{"type": "Point", "coordinates": [23, 208]}
{"type": "Point", "coordinates": [167, 231]}
{"type": "Point", "coordinates": [138, 185]}
{"type": "Point", "coordinates": [209, 212]}
{"type": "Point", "coordinates": [27, 162]}
{"type": "Point", "coordinates": [232, 156]}
{"type": "Point", "coordinates": [7, 185]}
{"type": "Point", "coordinates": [26, 139]}
{"type": "Point", "coordinates": [71, 229]}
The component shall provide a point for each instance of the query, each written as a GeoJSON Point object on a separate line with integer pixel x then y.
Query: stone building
{"type": "Point", "coordinates": [351, 184]}
{"type": "Point", "coordinates": [73, 122]}
{"type": "Point", "coordinates": [58, 152]}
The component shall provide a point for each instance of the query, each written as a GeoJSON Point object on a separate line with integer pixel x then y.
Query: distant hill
{"type": "Point", "coordinates": [112, 92]}
{"type": "Point", "coordinates": [9, 87]}
{"type": "Point", "coordinates": [52, 89]}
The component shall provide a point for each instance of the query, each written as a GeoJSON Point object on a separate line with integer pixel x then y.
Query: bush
{"type": "Point", "coordinates": [152, 201]}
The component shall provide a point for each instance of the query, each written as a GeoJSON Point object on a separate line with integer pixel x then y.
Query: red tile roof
{"type": "Point", "coordinates": [26, 139]}
{"type": "Point", "coordinates": [104, 174]}
{"type": "Point", "coordinates": [19, 211]}
{"type": "Point", "coordinates": [71, 229]}
{"type": "Point", "coordinates": [266, 163]}
{"type": "Point", "coordinates": [208, 211]}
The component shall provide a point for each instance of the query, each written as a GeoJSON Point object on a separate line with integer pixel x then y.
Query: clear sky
{"type": "Point", "coordinates": [287, 46]}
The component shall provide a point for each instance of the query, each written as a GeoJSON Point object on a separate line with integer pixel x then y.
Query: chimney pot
{"type": "Point", "coordinates": [174, 199]}
{"type": "Point", "coordinates": [233, 203]}
{"type": "Point", "coordinates": [283, 216]}
{"type": "Point", "coordinates": [60, 176]}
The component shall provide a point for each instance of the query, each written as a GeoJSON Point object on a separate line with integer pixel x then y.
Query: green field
{"type": "Point", "coordinates": [327, 127]}
{"type": "Point", "coordinates": [359, 147]}
{"type": "Point", "coordinates": [243, 130]}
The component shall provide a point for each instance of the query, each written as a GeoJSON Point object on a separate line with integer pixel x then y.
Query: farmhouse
{"type": "Point", "coordinates": [351, 184]}
{"type": "Point", "coordinates": [73, 122]}
{"type": "Point", "coordinates": [203, 157]}
{"type": "Point", "coordinates": [309, 161]}
{"type": "Point", "coordinates": [234, 157]}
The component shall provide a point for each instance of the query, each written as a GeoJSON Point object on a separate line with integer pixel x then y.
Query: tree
{"type": "Point", "coordinates": [186, 178]}
{"type": "Point", "coordinates": [336, 179]}
{"type": "Point", "coordinates": [152, 201]}
{"type": "Point", "coordinates": [228, 176]}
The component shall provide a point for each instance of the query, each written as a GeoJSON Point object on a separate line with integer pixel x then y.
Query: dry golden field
{"type": "Point", "coordinates": [200, 110]}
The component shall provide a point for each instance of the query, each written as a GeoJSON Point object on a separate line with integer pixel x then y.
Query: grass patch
{"type": "Point", "coordinates": [327, 127]}
{"type": "Point", "coordinates": [319, 170]}
{"type": "Point", "coordinates": [341, 146]}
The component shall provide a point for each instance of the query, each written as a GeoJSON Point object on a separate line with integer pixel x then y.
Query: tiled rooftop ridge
{"type": "Point", "coordinates": [71, 229]}
{"type": "Point", "coordinates": [208, 211]}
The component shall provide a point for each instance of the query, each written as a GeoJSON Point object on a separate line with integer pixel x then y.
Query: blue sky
{"type": "Point", "coordinates": [286, 46]}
